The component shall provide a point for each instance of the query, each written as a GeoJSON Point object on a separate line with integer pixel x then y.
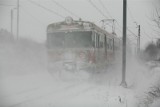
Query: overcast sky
{"type": "Point", "coordinates": [34, 19]}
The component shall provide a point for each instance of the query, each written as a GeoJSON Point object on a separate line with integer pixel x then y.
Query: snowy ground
{"type": "Point", "coordinates": [41, 90]}
{"type": "Point", "coordinates": [25, 82]}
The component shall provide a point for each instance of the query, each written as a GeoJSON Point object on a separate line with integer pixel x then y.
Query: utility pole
{"type": "Point", "coordinates": [139, 39]}
{"type": "Point", "coordinates": [17, 19]}
{"type": "Point", "coordinates": [12, 21]}
{"type": "Point", "coordinates": [12, 14]}
{"type": "Point", "coordinates": [123, 83]}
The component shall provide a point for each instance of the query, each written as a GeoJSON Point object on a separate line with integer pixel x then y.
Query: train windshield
{"type": "Point", "coordinates": [77, 39]}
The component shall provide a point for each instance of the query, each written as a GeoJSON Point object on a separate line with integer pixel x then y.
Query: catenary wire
{"type": "Point", "coordinates": [49, 10]}
{"type": "Point", "coordinates": [105, 8]}
{"type": "Point", "coordinates": [33, 17]}
{"type": "Point", "coordinates": [64, 8]}
{"type": "Point", "coordinates": [97, 8]}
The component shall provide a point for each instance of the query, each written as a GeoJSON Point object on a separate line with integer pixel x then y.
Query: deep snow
{"type": "Point", "coordinates": [25, 81]}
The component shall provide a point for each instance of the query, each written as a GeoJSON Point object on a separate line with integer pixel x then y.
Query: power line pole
{"type": "Point", "coordinates": [12, 21]}
{"type": "Point", "coordinates": [138, 38]}
{"type": "Point", "coordinates": [12, 14]}
{"type": "Point", "coordinates": [139, 41]}
{"type": "Point", "coordinates": [123, 83]}
{"type": "Point", "coordinates": [17, 19]}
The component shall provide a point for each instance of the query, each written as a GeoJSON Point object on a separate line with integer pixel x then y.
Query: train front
{"type": "Point", "coordinates": [70, 45]}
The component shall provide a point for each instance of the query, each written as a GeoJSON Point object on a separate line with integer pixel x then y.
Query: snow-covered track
{"type": "Point", "coordinates": [50, 92]}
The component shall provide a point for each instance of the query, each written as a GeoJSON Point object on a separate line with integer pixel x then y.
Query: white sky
{"type": "Point", "coordinates": [34, 20]}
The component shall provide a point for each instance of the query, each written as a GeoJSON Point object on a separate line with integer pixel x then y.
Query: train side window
{"type": "Point", "coordinates": [101, 41]}
{"type": "Point", "coordinates": [108, 43]}
{"type": "Point", "coordinates": [116, 44]}
{"type": "Point", "coordinates": [93, 39]}
{"type": "Point", "coordinates": [97, 40]}
{"type": "Point", "coordinates": [105, 41]}
{"type": "Point", "coordinates": [111, 44]}
{"type": "Point", "coordinates": [101, 44]}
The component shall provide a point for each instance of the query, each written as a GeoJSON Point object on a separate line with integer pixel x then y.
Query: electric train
{"type": "Point", "coordinates": [77, 44]}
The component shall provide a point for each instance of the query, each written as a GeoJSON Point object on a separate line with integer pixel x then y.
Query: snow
{"type": "Point", "coordinates": [78, 93]}
{"type": "Point", "coordinates": [156, 104]}
{"type": "Point", "coordinates": [25, 82]}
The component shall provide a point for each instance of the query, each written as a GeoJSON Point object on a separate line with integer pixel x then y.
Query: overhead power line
{"type": "Point", "coordinates": [131, 32]}
{"type": "Point", "coordinates": [36, 19]}
{"type": "Point", "coordinates": [146, 34]}
{"type": "Point", "coordinates": [130, 13]}
{"type": "Point", "coordinates": [7, 5]}
{"type": "Point", "coordinates": [132, 36]}
{"type": "Point", "coordinates": [119, 27]}
{"type": "Point", "coordinates": [127, 30]}
{"type": "Point", "coordinates": [103, 13]}
{"type": "Point", "coordinates": [49, 10]}
{"type": "Point", "coordinates": [97, 8]}
{"type": "Point", "coordinates": [105, 8]}
{"type": "Point", "coordinates": [58, 4]}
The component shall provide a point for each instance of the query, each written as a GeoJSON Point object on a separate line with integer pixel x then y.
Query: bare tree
{"type": "Point", "coordinates": [157, 17]}
{"type": "Point", "coordinates": [151, 52]}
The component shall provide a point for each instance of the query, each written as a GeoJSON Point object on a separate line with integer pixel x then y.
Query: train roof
{"type": "Point", "coordinates": [77, 24]}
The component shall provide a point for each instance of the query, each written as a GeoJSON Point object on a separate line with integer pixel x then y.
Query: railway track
{"type": "Point", "coordinates": [49, 92]}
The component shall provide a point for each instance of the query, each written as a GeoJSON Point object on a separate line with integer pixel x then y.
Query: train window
{"type": "Point", "coordinates": [105, 43]}
{"type": "Point", "coordinates": [108, 43]}
{"type": "Point", "coordinates": [101, 41]}
{"type": "Point", "coordinates": [111, 44]}
{"type": "Point", "coordinates": [93, 40]}
{"type": "Point", "coordinates": [97, 40]}
{"type": "Point", "coordinates": [56, 41]}
{"type": "Point", "coordinates": [77, 39]}
{"type": "Point", "coordinates": [101, 44]}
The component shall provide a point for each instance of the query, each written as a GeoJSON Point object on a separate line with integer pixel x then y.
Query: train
{"type": "Point", "coordinates": [77, 44]}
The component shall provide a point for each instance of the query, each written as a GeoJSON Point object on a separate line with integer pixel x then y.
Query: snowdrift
{"type": "Point", "coordinates": [24, 78]}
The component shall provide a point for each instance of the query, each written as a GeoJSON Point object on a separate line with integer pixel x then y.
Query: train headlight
{"type": "Point", "coordinates": [68, 20]}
